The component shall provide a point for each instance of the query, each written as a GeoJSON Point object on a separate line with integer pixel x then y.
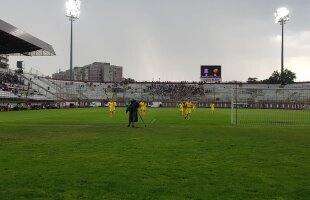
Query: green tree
{"type": "Point", "coordinates": [252, 80]}
{"type": "Point", "coordinates": [288, 78]}
{"type": "Point", "coordinates": [275, 78]}
{"type": "Point", "coordinates": [129, 80]}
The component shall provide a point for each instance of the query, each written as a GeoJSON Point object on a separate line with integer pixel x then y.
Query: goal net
{"type": "Point", "coordinates": [264, 106]}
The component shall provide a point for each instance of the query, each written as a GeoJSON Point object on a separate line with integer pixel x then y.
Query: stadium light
{"type": "Point", "coordinates": [282, 15]}
{"type": "Point", "coordinates": [73, 10]}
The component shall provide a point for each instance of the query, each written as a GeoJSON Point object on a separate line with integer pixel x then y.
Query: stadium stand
{"type": "Point", "coordinates": [59, 90]}
{"type": "Point", "coordinates": [17, 92]}
{"type": "Point", "coordinates": [61, 93]}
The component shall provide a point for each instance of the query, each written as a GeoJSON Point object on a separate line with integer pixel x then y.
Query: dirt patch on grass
{"type": "Point", "coordinates": [7, 138]}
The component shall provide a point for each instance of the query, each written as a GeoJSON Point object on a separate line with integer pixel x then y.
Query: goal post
{"type": "Point", "coordinates": [270, 106]}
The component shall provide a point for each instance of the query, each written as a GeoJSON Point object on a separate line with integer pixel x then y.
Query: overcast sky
{"type": "Point", "coordinates": [168, 39]}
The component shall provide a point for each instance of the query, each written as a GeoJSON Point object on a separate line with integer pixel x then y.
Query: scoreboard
{"type": "Point", "coordinates": [211, 73]}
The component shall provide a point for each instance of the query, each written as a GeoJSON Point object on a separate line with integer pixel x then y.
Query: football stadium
{"type": "Point", "coordinates": [90, 133]}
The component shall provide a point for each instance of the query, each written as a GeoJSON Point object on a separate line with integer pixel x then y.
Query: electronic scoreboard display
{"type": "Point", "coordinates": [211, 71]}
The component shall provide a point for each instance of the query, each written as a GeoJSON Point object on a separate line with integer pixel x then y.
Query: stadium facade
{"type": "Point", "coordinates": [95, 72]}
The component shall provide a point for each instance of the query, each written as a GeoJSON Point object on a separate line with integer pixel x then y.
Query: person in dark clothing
{"type": "Point", "coordinates": [132, 108]}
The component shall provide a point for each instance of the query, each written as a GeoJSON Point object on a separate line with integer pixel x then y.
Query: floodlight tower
{"type": "Point", "coordinates": [281, 17]}
{"type": "Point", "coordinates": [73, 9]}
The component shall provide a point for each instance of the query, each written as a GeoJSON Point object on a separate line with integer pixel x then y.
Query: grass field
{"type": "Point", "coordinates": [86, 154]}
{"type": "Point", "coordinates": [269, 117]}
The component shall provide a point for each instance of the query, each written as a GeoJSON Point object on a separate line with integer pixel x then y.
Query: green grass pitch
{"type": "Point", "coordinates": [86, 154]}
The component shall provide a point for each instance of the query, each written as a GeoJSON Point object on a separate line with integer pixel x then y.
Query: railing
{"type": "Point", "coordinates": [39, 86]}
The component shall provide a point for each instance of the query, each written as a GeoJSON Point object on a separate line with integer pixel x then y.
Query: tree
{"type": "Point", "coordinates": [288, 77]}
{"type": "Point", "coordinates": [129, 80]}
{"type": "Point", "coordinates": [275, 78]}
{"type": "Point", "coordinates": [252, 80]}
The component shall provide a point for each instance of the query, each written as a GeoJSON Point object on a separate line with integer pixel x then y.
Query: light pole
{"type": "Point", "coordinates": [281, 17]}
{"type": "Point", "coordinates": [73, 9]}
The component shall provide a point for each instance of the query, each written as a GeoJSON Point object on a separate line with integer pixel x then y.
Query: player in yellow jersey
{"type": "Point", "coordinates": [111, 106]}
{"type": "Point", "coordinates": [188, 109]}
{"type": "Point", "coordinates": [212, 107]}
{"type": "Point", "coordinates": [194, 107]}
{"type": "Point", "coordinates": [181, 108]}
{"type": "Point", "coordinates": [145, 107]}
{"type": "Point", "coordinates": [142, 105]}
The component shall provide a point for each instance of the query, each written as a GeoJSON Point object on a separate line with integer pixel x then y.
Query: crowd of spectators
{"type": "Point", "coordinates": [176, 89]}
{"type": "Point", "coordinates": [9, 88]}
{"type": "Point", "coordinates": [11, 82]}
{"type": "Point", "coordinates": [10, 78]}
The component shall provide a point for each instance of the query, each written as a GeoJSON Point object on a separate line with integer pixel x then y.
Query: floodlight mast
{"type": "Point", "coordinates": [73, 9]}
{"type": "Point", "coordinates": [281, 17]}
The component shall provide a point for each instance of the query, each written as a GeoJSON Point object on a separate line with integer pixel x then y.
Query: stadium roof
{"type": "Point", "coordinates": [14, 41]}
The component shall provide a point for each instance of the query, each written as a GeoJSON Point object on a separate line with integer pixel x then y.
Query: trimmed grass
{"type": "Point", "coordinates": [273, 117]}
{"type": "Point", "coordinates": [86, 154]}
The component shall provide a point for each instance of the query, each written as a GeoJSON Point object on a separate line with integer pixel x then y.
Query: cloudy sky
{"type": "Point", "coordinates": [168, 39]}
